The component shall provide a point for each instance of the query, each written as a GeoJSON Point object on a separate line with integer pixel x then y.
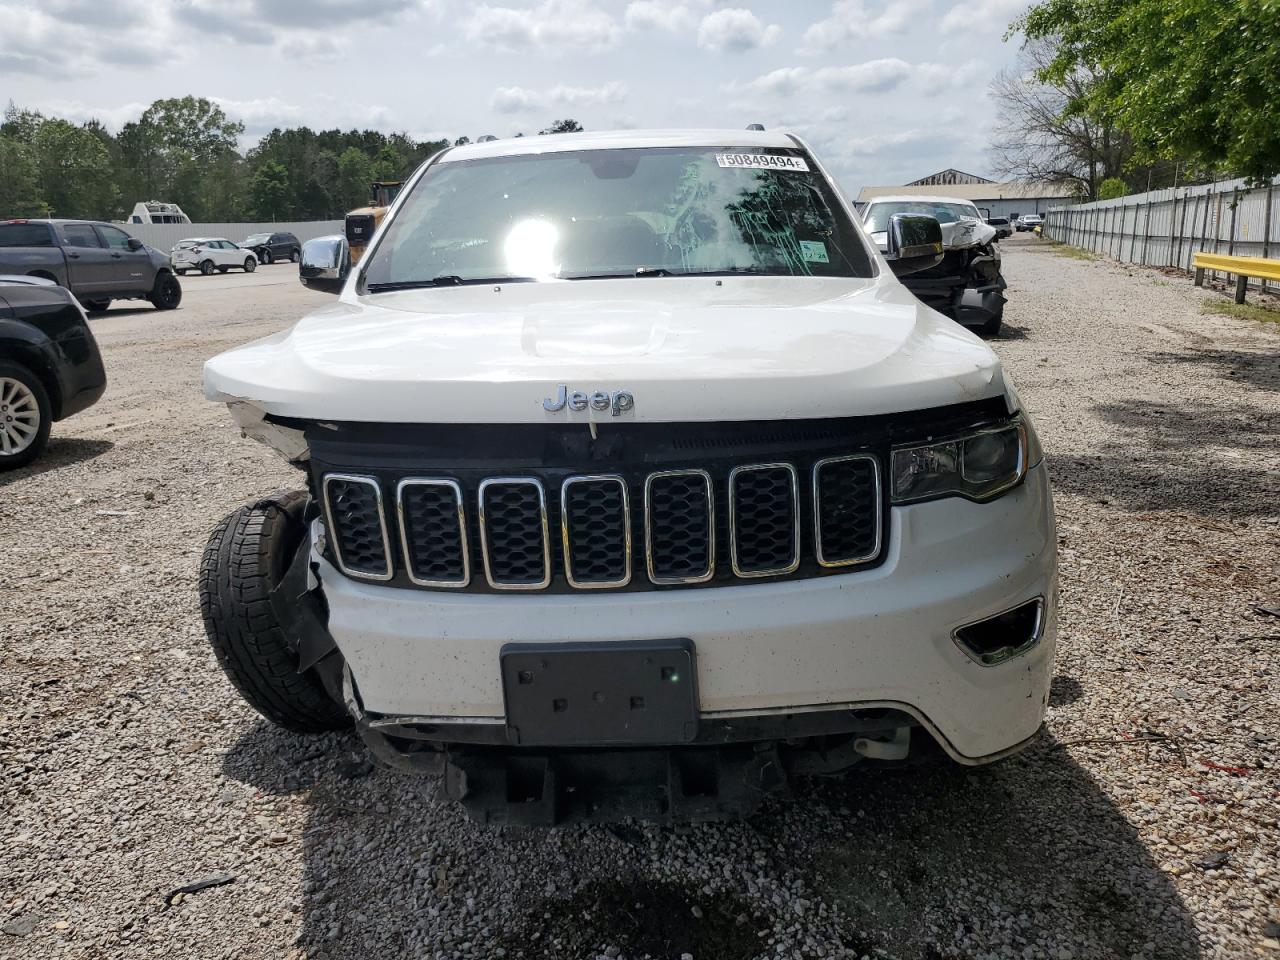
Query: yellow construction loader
{"type": "Point", "coordinates": [361, 223]}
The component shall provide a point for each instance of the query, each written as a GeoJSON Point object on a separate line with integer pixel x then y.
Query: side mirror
{"type": "Point", "coordinates": [913, 243]}
{"type": "Point", "coordinates": [325, 263]}
{"type": "Point", "coordinates": [135, 243]}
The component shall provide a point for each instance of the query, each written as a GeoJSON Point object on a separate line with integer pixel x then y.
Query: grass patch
{"type": "Point", "coordinates": [1074, 253]}
{"type": "Point", "coordinates": [1242, 311]}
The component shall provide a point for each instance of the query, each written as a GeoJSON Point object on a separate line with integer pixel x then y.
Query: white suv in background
{"type": "Point", "coordinates": [636, 484]}
{"type": "Point", "coordinates": [208, 254]}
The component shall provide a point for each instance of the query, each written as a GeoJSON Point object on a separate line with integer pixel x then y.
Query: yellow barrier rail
{"type": "Point", "coordinates": [1259, 268]}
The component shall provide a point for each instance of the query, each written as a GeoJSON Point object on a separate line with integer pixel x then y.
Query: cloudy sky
{"type": "Point", "coordinates": [885, 90]}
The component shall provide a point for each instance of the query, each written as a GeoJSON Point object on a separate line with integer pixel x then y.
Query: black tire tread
{"type": "Point", "coordinates": [241, 562]}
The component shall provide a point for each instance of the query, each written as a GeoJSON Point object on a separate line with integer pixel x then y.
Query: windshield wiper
{"type": "Point", "coordinates": [665, 272]}
{"type": "Point", "coordinates": [444, 280]}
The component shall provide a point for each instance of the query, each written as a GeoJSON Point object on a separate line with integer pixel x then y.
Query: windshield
{"type": "Point", "coordinates": [256, 238]}
{"type": "Point", "coordinates": [878, 214]}
{"type": "Point", "coordinates": [618, 213]}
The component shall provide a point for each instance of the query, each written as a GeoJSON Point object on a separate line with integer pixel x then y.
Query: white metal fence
{"type": "Point", "coordinates": [163, 236]}
{"type": "Point", "coordinates": [1166, 228]}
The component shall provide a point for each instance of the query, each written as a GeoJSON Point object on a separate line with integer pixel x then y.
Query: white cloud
{"type": "Point", "coordinates": [982, 15]}
{"type": "Point", "coordinates": [874, 75]}
{"type": "Point", "coordinates": [936, 78]}
{"type": "Point", "coordinates": [656, 15]}
{"type": "Point", "coordinates": [588, 96]}
{"type": "Point", "coordinates": [524, 100]}
{"type": "Point", "coordinates": [515, 100]}
{"type": "Point", "coordinates": [734, 30]}
{"type": "Point", "coordinates": [77, 111]}
{"type": "Point", "coordinates": [317, 49]}
{"type": "Point", "coordinates": [61, 40]}
{"type": "Point", "coordinates": [554, 26]}
{"type": "Point", "coordinates": [782, 82]}
{"type": "Point", "coordinates": [851, 20]}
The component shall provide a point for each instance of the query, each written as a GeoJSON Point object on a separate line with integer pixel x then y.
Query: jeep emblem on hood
{"type": "Point", "coordinates": [618, 401]}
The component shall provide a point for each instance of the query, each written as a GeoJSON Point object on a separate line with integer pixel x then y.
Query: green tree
{"type": "Point", "coordinates": [1112, 188]}
{"type": "Point", "coordinates": [19, 181]}
{"type": "Point", "coordinates": [563, 126]}
{"type": "Point", "coordinates": [269, 191]}
{"type": "Point", "coordinates": [388, 164]}
{"type": "Point", "coordinates": [75, 173]}
{"type": "Point", "coordinates": [1186, 79]}
{"type": "Point", "coordinates": [355, 173]}
{"type": "Point", "coordinates": [20, 124]}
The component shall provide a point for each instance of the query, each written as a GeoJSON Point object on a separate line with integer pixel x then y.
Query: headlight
{"type": "Point", "coordinates": [978, 465]}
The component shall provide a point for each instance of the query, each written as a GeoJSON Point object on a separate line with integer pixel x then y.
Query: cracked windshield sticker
{"type": "Point", "coordinates": [762, 161]}
{"type": "Point", "coordinates": [814, 251]}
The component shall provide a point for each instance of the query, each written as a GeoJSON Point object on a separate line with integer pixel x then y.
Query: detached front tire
{"type": "Point", "coordinates": [167, 292]}
{"type": "Point", "coordinates": [247, 555]}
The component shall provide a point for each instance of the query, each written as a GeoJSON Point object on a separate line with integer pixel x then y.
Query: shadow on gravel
{"type": "Point", "coordinates": [1261, 370]}
{"type": "Point", "coordinates": [1008, 331]}
{"type": "Point", "coordinates": [59, 453]}
{"type": "Point", "coordinates": [913, 864]}
{"type": "Point", "coordinates": [1181, 457]}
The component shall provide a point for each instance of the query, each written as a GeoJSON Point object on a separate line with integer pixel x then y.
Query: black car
{"type": "Point", "coordinates": [50, 366]}
{"type": "Point", "coordinates": [273, 246]}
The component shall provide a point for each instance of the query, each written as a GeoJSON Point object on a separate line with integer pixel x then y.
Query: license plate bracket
{"type": "Point", "coordinates": [600, 694]}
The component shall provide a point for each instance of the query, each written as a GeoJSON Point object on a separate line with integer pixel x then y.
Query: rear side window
{"type": "Point", "coordinates": [25, 235]}
{"type": "Point", "coordinates": [80, 235]}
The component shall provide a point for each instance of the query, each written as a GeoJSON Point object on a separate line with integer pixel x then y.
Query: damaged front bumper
{"type": "Point", "coordinates": [799, 677]}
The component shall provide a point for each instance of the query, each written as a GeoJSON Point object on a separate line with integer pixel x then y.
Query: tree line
{"type": "Point", "coordinates": [186, 151]}
{"type": "Point", "coordinates": [1119, 96]}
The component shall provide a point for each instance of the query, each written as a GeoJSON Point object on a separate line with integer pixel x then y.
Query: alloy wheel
{"type": "Point", "coordinates": [19, 417]}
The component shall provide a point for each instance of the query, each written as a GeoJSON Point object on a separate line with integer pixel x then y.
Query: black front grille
{"type": "Point", "coordinates": [848, 532]}
{"type": "Point", "coordinates": [680, 531]}
{"type": "Point", "coordinates": [513, 520]}
{"type": "Point", "coordinates": [700, 505]}
{"type": "Point", "coordinates": [433, 532]}
{"type": "Point", "coordinates": [596, 531]}
{"type": "Point", "coordinates": [765, 520]}
{"type": "Point", "coordinates": [355, 514]}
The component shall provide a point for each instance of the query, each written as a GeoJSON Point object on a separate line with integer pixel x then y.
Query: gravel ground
{"type": "Point", "coordinates": [1144, 823]}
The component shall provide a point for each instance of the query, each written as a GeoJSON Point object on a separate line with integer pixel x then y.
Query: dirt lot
{"type": "Point", "coordinates": [1145, 823]}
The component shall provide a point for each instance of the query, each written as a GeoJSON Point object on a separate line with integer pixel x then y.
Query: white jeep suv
{"type": "Point", "coordinates": [637, 483]}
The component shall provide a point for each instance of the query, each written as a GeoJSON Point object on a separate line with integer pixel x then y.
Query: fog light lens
{"type": "Point", "coordinates": [1005, 635]}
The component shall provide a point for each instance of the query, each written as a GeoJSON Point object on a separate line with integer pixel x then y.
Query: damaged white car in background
{"type": "Point", "coordinates": [967, 285]}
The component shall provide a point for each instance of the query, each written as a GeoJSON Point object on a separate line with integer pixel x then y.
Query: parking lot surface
{"type": "Point", "coordinates": [1144, 823]}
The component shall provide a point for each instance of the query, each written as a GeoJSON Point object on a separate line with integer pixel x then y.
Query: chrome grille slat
{"type": "Point", "coordinates": [595, 530]}
{"type": "Point", "coordinates": [673, 502]}
{"type": "Point", "coordinates": [358, 525]}
{"type": "Point", "coordinates": [433, 532]}
{"type": "Point", "coordinates": [510, 516]}
{"type": "Point", "coordinates": [846, 517]}
{"type": "Point", "coordinates": [764, 519]}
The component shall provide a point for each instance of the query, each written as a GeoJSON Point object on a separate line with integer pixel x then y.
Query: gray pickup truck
{"type": "Point", "coordinates": [95, 261]}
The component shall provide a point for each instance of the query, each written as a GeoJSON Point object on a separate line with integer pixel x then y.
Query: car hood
{"type": "Point", "coordinates": [687, 349]}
